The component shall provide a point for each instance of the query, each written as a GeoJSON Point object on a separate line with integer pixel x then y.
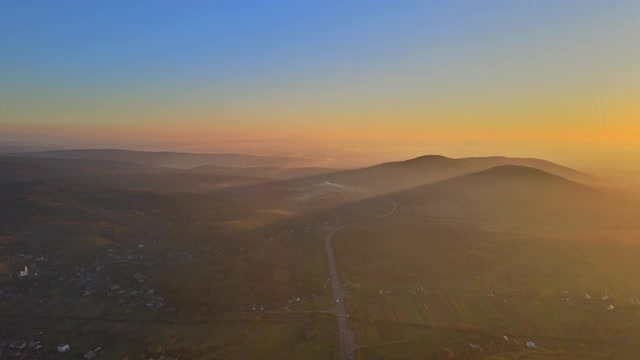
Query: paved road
{"type": "Point", "coordinates": [346, 336]}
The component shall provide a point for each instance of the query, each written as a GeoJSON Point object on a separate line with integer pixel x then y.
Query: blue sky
{"type": "Point", "coordinates": [80, 43]}
{"type": "Point", "coordinates": [540, 67]}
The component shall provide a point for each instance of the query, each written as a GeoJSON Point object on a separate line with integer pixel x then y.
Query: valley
{"type": "Point", "coordinates": [148, 260]}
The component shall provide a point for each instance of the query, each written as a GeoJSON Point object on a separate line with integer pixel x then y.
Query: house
{"type": "Point", "coordinates": [93, 353]}
{"type": "Point", "coordinates": [18, 345]}
{"type": "Point", "coordinates": [24, 272]}
{"type": "Point", "coordinates": [64, 348]}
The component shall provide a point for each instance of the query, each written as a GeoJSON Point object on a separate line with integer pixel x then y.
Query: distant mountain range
{"type": "Point", "coordinates": [497, 188]}
{"type": "Point", "coordinates": [394, 176]}
{"type": "Point", "coordinates": [169, 159]}
{"type": "Point", "coordinates": [12, 147]}
{"type": "Point", "coordinates": [383, 178]}
{"type": "Point", "coordinates": [404, 174]}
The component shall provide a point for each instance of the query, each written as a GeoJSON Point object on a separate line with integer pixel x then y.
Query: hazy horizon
{"type": "Point", "coordinates": [434, 179]}
{"type": "Point", "coordinates": [355, 155]}
{"type": "Point", "coordinates": [557, 80]}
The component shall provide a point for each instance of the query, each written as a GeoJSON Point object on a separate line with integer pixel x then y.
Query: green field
{"type": "Point", "coordinates": [417, 280]}
{"type": "Point", "coordinates": [242, 273]}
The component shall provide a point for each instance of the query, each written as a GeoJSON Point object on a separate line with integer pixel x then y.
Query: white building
{"type": "Point", "coordinates": [24, 272]}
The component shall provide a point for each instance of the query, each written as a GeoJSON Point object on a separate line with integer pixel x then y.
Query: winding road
{"type": "Point", "coordinates": [346, 336]}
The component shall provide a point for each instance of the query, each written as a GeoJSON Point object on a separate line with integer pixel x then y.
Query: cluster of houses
{"type": "Point", "coordinates": [318, 228]}
{"type": "Point", "coordinates": [481, 343]}
{"type": "Point", "coordinates": [94, 280]}
{"type": "Point", "coordinates": [383, 292]}
{"type": "Point", "coordinates": [604, 299]}
{"type": "Point", "coordinates": [19, 348]}
{"type": "Point", "coordinates": [130, 257]}
{"type": "Point", "coordinates": [294, 299]}
{"type": "Point", "coordinates": [257, 307]}
{"type": "Point", "coordinates": [27, 264]}
{"type": "Point", "coordinates": [142, 298]}
{"type": "Point", "coordinates": [570, 299]}
{"type": "Point", "coordinates": [93, 353]}
{"type": "Point", "coordinates": [287, 236]}
{"type": "Point", "coordinates": [90, 280]}
{"type": "Point", "coordinates": [14, 283]}
{"type": "Point", "coordinates": [32, 348]}
{"type": "Point", "coordinates": [417, 290]}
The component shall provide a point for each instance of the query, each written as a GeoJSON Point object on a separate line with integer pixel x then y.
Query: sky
{"type": "Point", "coordinates": [349, 82]}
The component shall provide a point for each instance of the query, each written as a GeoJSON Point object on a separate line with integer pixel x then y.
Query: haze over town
{"type": "Point", "coordinates": [383, 180]}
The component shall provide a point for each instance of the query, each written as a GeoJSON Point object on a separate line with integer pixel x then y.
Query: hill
{"type": "Point", "coordinates": [13, 146]}
{"type": "Point", "coordinates": [511, 194]}
{"type": "Point", "coordinates": [540, 164]}
{"type": "Point", "coordinates": [507, 250]}
{"type": "Point", "coordinates": [118, 175]}
{"type": "Point", "coordinates": [393, 176]}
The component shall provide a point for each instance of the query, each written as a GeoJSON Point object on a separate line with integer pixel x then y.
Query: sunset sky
{"type": "Point", "coordinates": [347, 81]}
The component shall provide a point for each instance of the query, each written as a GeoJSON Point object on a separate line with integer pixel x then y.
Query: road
{"type": "Point", "coordinates": [346, 336]}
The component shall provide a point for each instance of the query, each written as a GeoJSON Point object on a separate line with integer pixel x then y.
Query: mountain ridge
{"type": "Point", "coordinates": [183, 160]}
{"type": "Point", "coordinates": [398, 175]}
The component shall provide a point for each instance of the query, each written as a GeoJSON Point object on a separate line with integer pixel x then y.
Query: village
{"type": "Point", "coordinates": [33, 348]}
{"type": "Point", "coordinates": [39, 275]}
{"type": "Point", "coordinates": [93, 280]}
{"type": "Point", "coordinates": [119, 273]}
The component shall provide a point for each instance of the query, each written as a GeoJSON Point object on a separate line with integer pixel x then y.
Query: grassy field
{"type": "Point", "coordinates": [420, 285]}
{"type": "Point", "coordinates": [218, 275]}
{"type": "Point", "coordinates": [240, 337]}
